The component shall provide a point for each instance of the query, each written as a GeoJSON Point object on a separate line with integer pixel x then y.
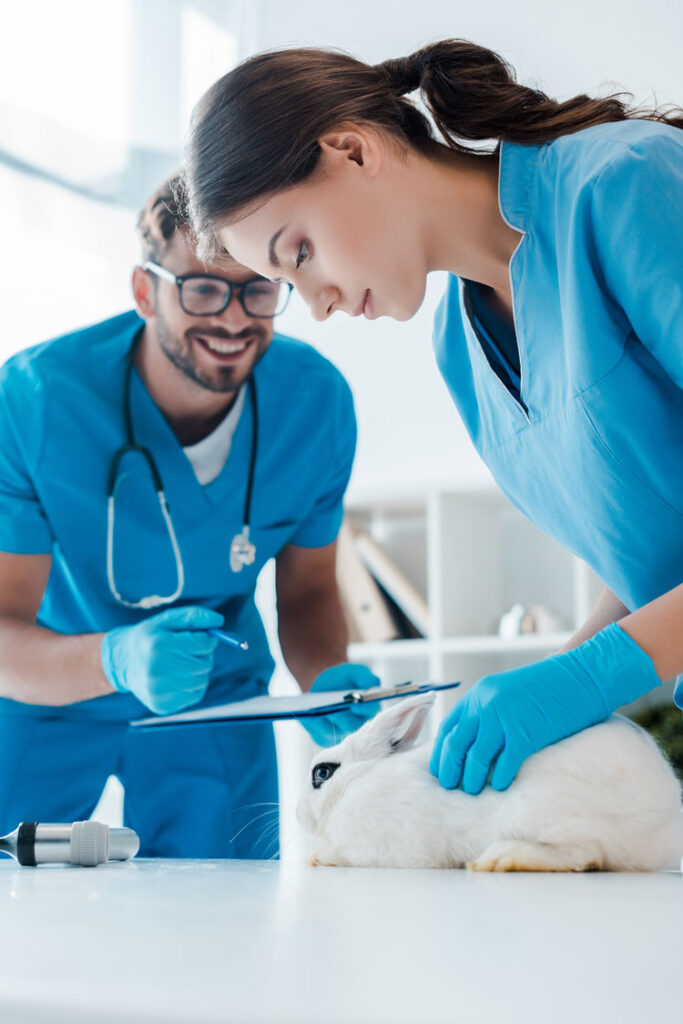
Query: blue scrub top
{"type": "Point", "coordinates": [592, 449]}
{"type": "Point", "coordinates": [61, 421]}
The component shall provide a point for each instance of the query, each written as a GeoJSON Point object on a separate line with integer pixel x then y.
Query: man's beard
{"type": "Point", "coordinates": [224, 378]}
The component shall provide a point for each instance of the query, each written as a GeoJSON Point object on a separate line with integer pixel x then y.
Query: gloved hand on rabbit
{"type": "Point", "coordinates": [329, 729]}
{"type": "Point", "coordinates": [605, 798]}
{"type": "Point", "coordinates": [511, 715]}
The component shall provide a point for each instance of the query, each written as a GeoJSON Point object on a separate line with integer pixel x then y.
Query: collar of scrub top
{"type": "Point", "coordinates": [242, 550]}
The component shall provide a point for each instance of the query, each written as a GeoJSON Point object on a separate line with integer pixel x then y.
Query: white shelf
{"type": "Point", "coordinates": [472, 555]}
{"type": "Point", "coordinates": [391, 649]}
{"type": "Point", "coordinates": [459, 645]}
{"type": "Point", "coordinates": [500, 645]}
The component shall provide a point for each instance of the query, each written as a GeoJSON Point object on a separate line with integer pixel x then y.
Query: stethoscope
{"type": "Point", "coordinates": [242, 550]}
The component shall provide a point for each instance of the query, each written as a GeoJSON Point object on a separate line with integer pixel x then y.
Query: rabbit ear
{"type": "Point", "coordinates": [395, 729]}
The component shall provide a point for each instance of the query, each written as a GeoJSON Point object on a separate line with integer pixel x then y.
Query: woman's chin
{"type": "Point", "coordinates": [409, 311]}
{"type": "Point", "coordinates": [404, 309]}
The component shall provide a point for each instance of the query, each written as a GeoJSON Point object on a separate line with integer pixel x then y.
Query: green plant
{"type": "Point", "coordinates": [665, 723]}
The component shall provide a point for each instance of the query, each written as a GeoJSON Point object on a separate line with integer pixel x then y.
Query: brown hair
{"type": "Point", "coordinates": [256, 130]}
{"type": "Point", "coordinates": [163, 214]}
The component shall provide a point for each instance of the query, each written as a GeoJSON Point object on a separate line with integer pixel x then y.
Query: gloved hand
{"type": "Point", "coordinates": [510, 715]}
{"type": "Point", "coordinates": [328, 730]}
{"type": "Point", "coordinates": [166, 660]}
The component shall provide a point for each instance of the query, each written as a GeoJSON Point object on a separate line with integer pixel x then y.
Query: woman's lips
{"type": "Point", "coordinates": [361, 305]}
{"type": "Point", "coordinates": [365, 308]}
{"type": "Point", "coordinates": [368, 308]}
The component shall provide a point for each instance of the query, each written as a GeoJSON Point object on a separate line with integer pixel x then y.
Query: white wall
{"type": "Point", "coordinates": [408, 428]}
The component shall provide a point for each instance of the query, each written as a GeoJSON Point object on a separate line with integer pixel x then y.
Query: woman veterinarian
{"type": "Point", "coordinates": [560, 336]}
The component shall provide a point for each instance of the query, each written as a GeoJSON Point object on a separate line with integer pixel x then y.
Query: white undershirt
{"type": "Point", "coordinates": [210, 454]}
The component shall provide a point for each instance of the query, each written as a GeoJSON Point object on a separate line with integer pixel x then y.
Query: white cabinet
{"type": "Point", "coordinates": [472, 555]}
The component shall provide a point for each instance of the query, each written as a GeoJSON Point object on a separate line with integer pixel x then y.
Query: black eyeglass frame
{"type": "Point", "coordinates": [234, 287]}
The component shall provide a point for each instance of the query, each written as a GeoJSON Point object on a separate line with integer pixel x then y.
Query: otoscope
{"type": "Point", "coordinates": [83, 843]}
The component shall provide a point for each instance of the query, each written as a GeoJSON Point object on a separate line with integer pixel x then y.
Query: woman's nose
{"type": "Point", "coordinates": [322, 302]}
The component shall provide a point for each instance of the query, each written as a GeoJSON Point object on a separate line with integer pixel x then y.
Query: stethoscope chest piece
{"type": "Point", "coordinates": [242, 551]}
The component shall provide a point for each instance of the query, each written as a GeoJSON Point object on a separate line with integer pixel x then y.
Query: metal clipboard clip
{"type": "Point", "coordinates": [380, 692]}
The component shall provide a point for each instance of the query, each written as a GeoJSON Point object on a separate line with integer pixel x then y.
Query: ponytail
{"type": "Point", "coordinates": [256, 130]}
{"type": "Point", "coordinates": [472, 94]}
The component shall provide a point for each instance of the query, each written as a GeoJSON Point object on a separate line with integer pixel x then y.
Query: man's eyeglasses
{"type": "Point", "coordinates": [207, 295]}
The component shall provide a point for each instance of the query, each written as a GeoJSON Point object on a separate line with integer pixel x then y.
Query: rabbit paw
{"type": "Point", "coordinates": [517, 855]}
{"type": "Point", "coordinates": [324, 857]}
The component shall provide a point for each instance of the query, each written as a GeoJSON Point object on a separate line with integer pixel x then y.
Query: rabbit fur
{"type": "Point", "coordinates": [605, 798]}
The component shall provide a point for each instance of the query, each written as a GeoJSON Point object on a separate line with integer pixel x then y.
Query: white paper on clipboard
{"type": "Point", "coordinates": [302, 705]}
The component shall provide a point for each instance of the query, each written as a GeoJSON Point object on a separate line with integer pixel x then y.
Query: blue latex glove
{"type": "Point", "coordinates": [166, 660]}
{"type": "Point", "coordinates": [328, 730]}
{"type": "Point", "coordinates": [510, 715]}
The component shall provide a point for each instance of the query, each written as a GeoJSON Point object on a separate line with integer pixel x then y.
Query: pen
{"type": "Point", "coordinates": [229, 638]}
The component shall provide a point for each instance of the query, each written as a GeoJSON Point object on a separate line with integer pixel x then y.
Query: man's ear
{"type": "Point", "coordinates": [143, 293]}
{"type": "Point", "coordinates": [351, 144]}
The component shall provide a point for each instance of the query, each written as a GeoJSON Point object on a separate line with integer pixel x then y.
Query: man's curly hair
{"type": "Point", "coordinates": [163, 214]}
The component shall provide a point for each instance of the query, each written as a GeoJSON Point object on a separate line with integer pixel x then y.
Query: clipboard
{"type": "Point", "coordinates": [273, 709]}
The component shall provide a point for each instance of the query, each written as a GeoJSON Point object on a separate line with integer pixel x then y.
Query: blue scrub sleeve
{"type": "Point", "coordinates": [24, 528]}
{"type": "Point", "coordinates": [638, 204]}
{"type": "Point", "coordinates": [322, 525]}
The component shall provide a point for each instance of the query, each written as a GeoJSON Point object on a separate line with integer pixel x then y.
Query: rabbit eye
{"type": "Point", "coordinates": [322, 772]}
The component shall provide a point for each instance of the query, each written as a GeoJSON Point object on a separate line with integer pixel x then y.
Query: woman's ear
{"type": "Point", "coordinates": [351, 145]}
{"type": "Point", "coordinates": [143, 293]}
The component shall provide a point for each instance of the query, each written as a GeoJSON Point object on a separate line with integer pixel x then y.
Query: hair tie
{"type": "Point", "coordinates": [405, 74]}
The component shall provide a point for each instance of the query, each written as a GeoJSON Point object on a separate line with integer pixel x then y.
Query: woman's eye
{"type": "Point", "coordinates": [303, 254]}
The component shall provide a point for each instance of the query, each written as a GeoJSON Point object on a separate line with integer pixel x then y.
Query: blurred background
{"type": "Point", "coordinates": [95, 100]}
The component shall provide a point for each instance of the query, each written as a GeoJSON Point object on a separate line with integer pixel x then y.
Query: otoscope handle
{"type": "Point", "coordinates": [82, 843]}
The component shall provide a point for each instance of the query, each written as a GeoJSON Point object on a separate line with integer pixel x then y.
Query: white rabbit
{"type": "Point", "coordinates": [605, 798]}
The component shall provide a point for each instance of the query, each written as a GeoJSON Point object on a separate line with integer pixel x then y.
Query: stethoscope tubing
{"type": "Point", "coordinates": [156, 600]}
